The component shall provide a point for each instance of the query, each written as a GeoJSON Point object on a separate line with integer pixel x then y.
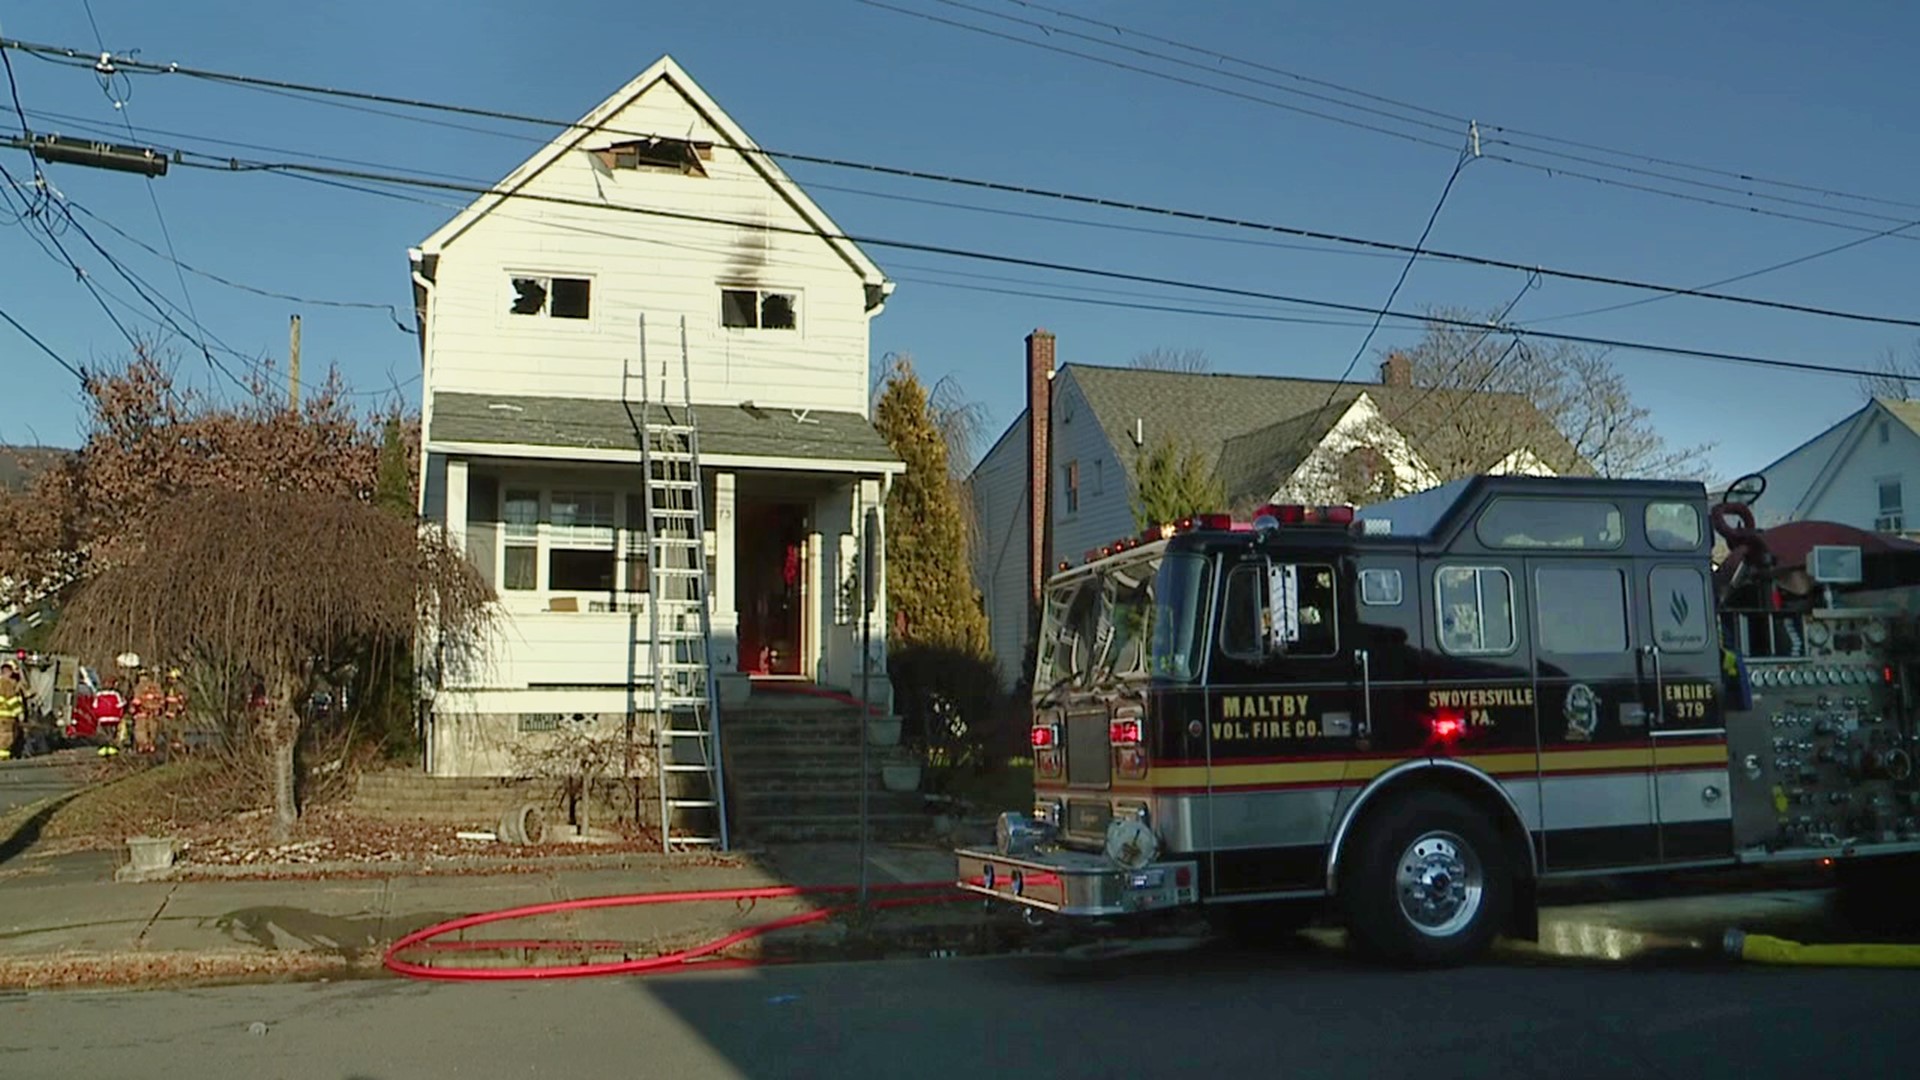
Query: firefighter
{"type": "Point", "coordinates": [109, 708]}
{"type": "Point", "coordinates": [149, 702]}
{"type": "Point", "coordinates": [13, 706]}
{"type": "Point", "coordinates": [174, 714]}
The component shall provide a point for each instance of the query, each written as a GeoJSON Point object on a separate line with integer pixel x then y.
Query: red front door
{"type": "Point", "coordinates": [770, 585]}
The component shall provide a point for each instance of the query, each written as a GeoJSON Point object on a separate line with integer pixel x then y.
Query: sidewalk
{"type": "Point", "coordinates": [64, 921]}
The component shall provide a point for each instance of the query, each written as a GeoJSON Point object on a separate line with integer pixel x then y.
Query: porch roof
{"type": "Point", "coordinates": [602, 426]}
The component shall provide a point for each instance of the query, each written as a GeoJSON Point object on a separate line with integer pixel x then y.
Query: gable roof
{"type": "Point", "coordinates": [1853, 430]}
{"type": "Point", "coordinates": [731, 135]}
{"type": "Point", "coordinates": [604, 424]}
{"type": "Point", "coordinates": [1263, 425]}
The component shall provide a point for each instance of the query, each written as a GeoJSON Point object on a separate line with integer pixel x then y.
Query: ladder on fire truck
{"type": "Point", "coordinates": [685, 708]}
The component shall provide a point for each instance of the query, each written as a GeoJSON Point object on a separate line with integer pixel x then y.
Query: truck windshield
{"type": "Point", "coordinates": [1138, 618]}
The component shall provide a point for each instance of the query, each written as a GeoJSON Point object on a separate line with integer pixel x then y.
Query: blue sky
{"type": "Point", "coordinates": [1773, 89]}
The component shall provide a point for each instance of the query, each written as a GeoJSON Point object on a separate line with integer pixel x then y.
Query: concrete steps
{"type": "Point", "coordinates": [793, 773]}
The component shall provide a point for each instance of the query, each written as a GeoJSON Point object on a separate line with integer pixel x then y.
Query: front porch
{"type": "Point", "coordinates": [562, 541]}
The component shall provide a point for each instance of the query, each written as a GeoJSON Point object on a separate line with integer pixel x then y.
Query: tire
{"type": "Point", "coordinates": [1427, 882]}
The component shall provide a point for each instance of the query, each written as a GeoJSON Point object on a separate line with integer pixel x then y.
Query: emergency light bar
{"type": "Point", "coordinates": [1271, 515]}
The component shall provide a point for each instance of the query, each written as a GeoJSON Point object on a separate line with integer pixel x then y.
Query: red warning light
{"type": "Point", "coordinates": [1043, 737]}
{"type": "Point", "coordinates": [1447, 727]}
{"type": "Point", "coordinates": [1124, 732]}
{"type": "Point", "coordinates": [1886, 674]}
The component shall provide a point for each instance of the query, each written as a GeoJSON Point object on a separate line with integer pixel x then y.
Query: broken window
{"type": "Point", "coordinates": [556, 297]}
{"type": "Point", "coordinates": [672, 155]}
{"type": "Point", "coordinates": [759, 309]}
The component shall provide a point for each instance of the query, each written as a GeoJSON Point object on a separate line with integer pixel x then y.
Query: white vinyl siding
{"type": "Point", "coordinates": [645, 264]}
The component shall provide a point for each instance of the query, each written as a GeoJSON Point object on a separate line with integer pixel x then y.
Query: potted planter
{"type": "Point", "coordinates": [883, 731]}
{"type": "Point", "coordinates": [900, 776]}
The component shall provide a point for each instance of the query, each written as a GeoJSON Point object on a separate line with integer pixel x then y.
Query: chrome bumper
{"type": "Point", "coordinates": [1077, 883]}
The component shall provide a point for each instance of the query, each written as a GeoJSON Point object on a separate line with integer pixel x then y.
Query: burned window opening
{"type": "Point", "coordinates": [683, 156]}
{"type": "Point", "coordinates": [756, 309]}
{"type": "Point", "coordinates": [558, 298]}
{"type": "Point", "coordinates": [529, 296]}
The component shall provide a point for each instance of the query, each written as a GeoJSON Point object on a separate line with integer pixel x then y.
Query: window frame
{"type": "Point", "coordinates": [760, 294]}
{"type": "Point", "coordinates": [1646, 525]}
{"type": "Point", "coordinates": [1070, 486]}
{"type": "Point", "coordinates": [1541, 592]}
{"type": "Point", "coordinates": [545, 316]}
{"type": "Point", "coordinates": [1480, 520]}
{"type": "Point", "coordinates": [628, 545]}
{"type": "Point", "coordinates": [1387, 573]}
{"type": "Point", "coordinates": [1480, 605]}
{"type": "Point", "coordinates": [1259, 568]}
{"type": "Point", "coordinates": [1890, 518]}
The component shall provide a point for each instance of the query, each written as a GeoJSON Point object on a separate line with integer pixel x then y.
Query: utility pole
{"type": "Point", "coordinates": [293, 365]}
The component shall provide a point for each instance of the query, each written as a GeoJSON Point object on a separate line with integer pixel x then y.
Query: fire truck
{"type": "Point", "coordinates": [1412, 714]}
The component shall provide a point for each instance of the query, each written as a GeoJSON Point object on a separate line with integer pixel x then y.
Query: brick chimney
{"type": "Point", "coordinates": [1039, 461]}
{"type": "Point", "coordinates": [1396, 370]}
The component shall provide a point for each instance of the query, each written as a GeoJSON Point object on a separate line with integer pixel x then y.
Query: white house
{"type": "Point", "coordinates": [1040, 500]}
{"type": "Point", "coordinates": [1854, 473]}
{"type": "Point", "coordinates": [654, 209]}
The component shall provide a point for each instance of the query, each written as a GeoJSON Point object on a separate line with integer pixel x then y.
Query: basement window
{"type": "Point", "coordinates": [683, 156]}
{"type": "Point", "coordinates": [759, 309]}
{"type": "Point", "coordinates": [554, 297]}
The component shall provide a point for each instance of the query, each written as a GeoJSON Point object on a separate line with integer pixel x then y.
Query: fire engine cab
{"type": "Point", "coordinates": [1415, 712]}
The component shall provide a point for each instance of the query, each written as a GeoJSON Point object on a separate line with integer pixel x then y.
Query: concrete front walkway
{"type": "Point", "coordinates": [65, 921]}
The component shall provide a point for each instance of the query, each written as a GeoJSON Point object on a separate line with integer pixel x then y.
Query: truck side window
{"type": "Point", "coordinates": [1673, 526]}
{"type": "Point", "coordinates": [1583, 610]}
{"type": "Point", "coordinates": [1474, 609]}
{"type": "Point", "coordinates": [1243, 614]}
{"type": "Point", "coordinates": [1240, 612]}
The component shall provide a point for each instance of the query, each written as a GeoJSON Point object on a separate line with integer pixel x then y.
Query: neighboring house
{"type": "Point", "coordinates": [1268, 439]}
{"type": "Point", "coordinates": [1854, 473]}
{"type": "Point", "coordinates": [530, 315]}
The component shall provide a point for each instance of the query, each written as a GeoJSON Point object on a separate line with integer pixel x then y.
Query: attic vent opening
{"type": "Point", "coordinates": [683, 156]}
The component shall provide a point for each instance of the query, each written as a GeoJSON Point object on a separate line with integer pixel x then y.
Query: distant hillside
{"type": "Point", "coordinates": [20, 464]}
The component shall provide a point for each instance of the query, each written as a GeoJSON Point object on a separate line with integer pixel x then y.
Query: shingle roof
{"type": "Point", "coordinates": [601, 424]}
{"type": "Point", "coordinates": [1907, 412]}
{"type": "Point", "coordinates": [1257, 427]}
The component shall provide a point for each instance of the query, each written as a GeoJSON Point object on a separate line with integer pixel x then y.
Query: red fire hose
{"type": "Point", "coordinates": [426, 940]}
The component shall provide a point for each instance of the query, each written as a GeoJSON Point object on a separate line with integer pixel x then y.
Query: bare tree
{"type": "Point", "coordinates": [1469, 406]}
{"type": "Point", "coordinates": [1167, 358]}
{"type": "Point", "coordinates": [276, 584]}
{"type": "Point", "coordinates": [1897, 375]}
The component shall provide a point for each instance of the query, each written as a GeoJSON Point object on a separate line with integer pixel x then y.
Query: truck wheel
{"type": "Point", "coordinates": [1427, 881]}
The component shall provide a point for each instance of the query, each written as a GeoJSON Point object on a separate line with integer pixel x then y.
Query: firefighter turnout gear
{"type": "Point", "coordinates": [149, 702]}
{"type": "Point", "coordinates": [13, 707]}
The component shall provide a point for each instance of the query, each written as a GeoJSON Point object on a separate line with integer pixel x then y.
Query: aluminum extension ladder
{"type": "Point", "coordinates": [685, 705]}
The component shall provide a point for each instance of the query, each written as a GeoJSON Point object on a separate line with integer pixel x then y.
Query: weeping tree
{"type": "Point", "coordinates": [275, 584]}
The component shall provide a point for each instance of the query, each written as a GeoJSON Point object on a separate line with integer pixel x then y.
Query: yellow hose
{"type": "Point", "coordinates": [1761, 949]}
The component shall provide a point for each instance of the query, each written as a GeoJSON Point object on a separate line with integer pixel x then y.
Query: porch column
{"type": "Point", "coordinates": [725, 615]}
{"type": "Point", "coordinates": [456, 502]}
{"type": "Point", "coordinates": [872, 496]}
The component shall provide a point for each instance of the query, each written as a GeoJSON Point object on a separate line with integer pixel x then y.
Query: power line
{"type": "Point", "coordinates": [1016, 189]}
{"type": "Point", "coordinates": [1455, 120]}
{"type": "Point", "coordinates": [1782, 265]}
{"type": "Point", "coordinates": [1548, 169]}
{"type": "Point", "coordinates": [288, 168]}
{"type": "Point", "coordinates": [392, 312]}
{"type": "Point", "coordinates": [1393, 294]}
{"type": "Point", "coordinates": [44, 347]}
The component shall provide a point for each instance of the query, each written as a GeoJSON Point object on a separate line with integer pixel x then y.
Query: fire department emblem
{"type": "Point", "coordinates": [1582, 712]}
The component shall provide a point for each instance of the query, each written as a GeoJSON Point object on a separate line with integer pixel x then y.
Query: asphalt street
{"type": "Point", "coordinates": [31, 779]}
{"type": "Point", "coordinates": [1203, 1011]}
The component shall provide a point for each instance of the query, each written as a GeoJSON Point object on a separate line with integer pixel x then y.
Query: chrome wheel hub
{"type": "Point", "coordinates": [1439, 883]}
